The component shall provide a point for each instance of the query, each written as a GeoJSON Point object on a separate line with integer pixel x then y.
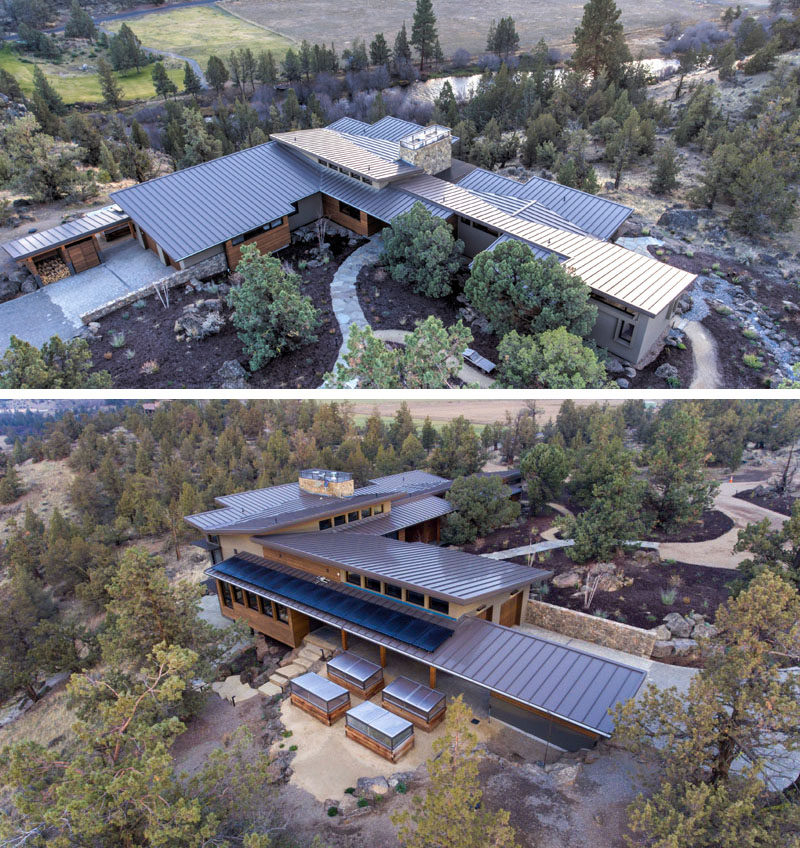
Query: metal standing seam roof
{"type": "Point", "coordinates": [557, 679]}
{"type": "Point", "coordinates": [399, 625]}
{"type": "Point", "coordinates": [384, 204]}
{"type": "Point", "coordinates": [623, 275]}
{"type": "Point", "coordinates": [565, 682]}
{"type": "Point", "coordinates": [597, 216]}
{"type": "Point", "coordinates": [530, 210]}
{"type": "Point", "coordinates": [90, 223]}
{"type": "Point", "coordinates": [413, 482]}
{"type": "Point", "coordinates": [450, 575]}
{"type": "Point", "coordinates": [388, 128]}
{"type": "Point", "coordinates": [538, 252]}
{"type": "Point", "coordinates": [318, 685]}
{"type": "Point", "coordinates": [399, 517]}
{"type": "Point", "coordinates": [284, 514]}
{"type": "Point", "coordinates": [341, 150]}
{"type": "Point", "coordinates": [196, 208]}
{"type": "Point", "coordinates": [379, 719]}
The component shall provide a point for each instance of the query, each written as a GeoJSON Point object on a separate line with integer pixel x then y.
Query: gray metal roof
{"type": "Point", "coordinates": [384, 204]}
{"type": "Point", "coordinates": [399, 517]}
{"type": "Point", "coordinates": [349, 125]}
{"type": "Point", "coordinates": [536, 250]}
{"type": "Point", "coordinates": [205, 205]}
{"type": "Point", "coordinates": [595, 215]}
{"type": "Point", "coordinates": [387, 128]}
{"type": "Point", "coordinates": [622, 275]}
{"type": "Point", "coordinates": [317, 685]}
{"type": "Point", "coordinates": [379, 719]}
{"type": "Point", "coordinates": [451, 575]}
{"type": "Point", "coordinates": [353, 666]}
{"type": "Point", "coordinates": [554, 678]}
{"type": "Point", "coordinates": [568, 683]}
{"type": "Point", "coordinates": [530, 210]}
{"type": "Point", "coordinates": [92, 222]}
{"type": "Point", "coordinates": [413, 482]}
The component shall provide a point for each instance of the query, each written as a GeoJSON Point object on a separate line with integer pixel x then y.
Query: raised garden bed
{"type": "Point", "coordinates": [768, 499]}
{"type": "Point", "coordinates": [388, 305]}
{"type": "Point", "coordinates": [696, 588]}
{"type": "Point", "coordinates": [149, 335]}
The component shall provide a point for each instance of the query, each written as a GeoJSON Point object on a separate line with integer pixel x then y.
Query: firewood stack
{"type": "Point", "coordinates": [52, 269]}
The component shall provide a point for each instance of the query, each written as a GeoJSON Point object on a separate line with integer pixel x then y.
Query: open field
{"type": "Point", "coordinates": [77, 86]}
{"type": "Point", "coordinates": [200, 31]}
{"type": "Point", "coordinates": [462, 23]}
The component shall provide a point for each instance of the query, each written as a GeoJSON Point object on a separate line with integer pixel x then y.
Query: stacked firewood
{"type": "Point", "coordinates": [52, 269]}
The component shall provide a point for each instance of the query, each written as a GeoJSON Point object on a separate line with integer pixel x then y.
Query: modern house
{"type": "Point", "coordinates": [362, 176]}
{"type": "Point", "coordinates": [365, 561]}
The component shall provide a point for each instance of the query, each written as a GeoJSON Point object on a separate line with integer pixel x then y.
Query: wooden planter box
{"type": "Point", "coordinates": [326, 718]}
{"type": "Point", "coordinates": [366, 694]}
{"type": "Point", "coordinates": [416, 720]}
{"type": "Point", "coordinates": [376, 747]}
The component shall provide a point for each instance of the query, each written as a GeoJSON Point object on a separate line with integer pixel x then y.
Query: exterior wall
{"type": "Point", "coordinates": [429, 532]}
{"type": "Point", "coordinates": [475, 240]}
{"type": "Point", "coordinates": [646, 334]}
{"type": "Point", "coordinates": [196, 258]}
{"type": "Point", "coordinates": [333, 489]}
{"type": "Point", "coordinates": [238, 542]}
{"type": "Point", "coordinates": [555, 731]}
{"type": "Point", "coordinates": [330, 208]}
{"type": "Point", "coordinates": [289, 633]}
{"type": "Point", "coordinates": [266, 242]}
{"type": "Point", "coordinates": [318, 569]}
{"type": "Point", "coordinates": [601, 631]}
{"type": "Point", "coordinates": [308, 210]}
{"type": "Point", "coordinates": [433, 158]}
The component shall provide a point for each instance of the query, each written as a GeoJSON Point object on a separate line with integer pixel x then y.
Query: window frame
{"type": "Point", "coordinates": [420, 595]}
{"type": "Point", "coordinates": [353, 578]}
{"type": "Point", "coordinates": [375, 584]}
{"type": "Point", "coordinates": [622, 324]}
{"type": "Point", "coordinates": [226, 594]}
{"type": "Point", "coordinates": [265, 607]}
{"type": "Point", "coordinates": [281, 613]}
{"type": "Point", "coordinates": [349, 211]}
{"type": "Point", "coordinates": [238, 595]}
{"type": "Point", "coordinates": [444, 606]}
{"type": "Point", "coordinates": [390, 588]}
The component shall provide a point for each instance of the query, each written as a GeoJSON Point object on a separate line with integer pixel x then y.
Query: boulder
{"type": "Point", "coordinates": [231, 375]}
{"type": "Point", "coordinates": [19, 275]}
{"type": "Point", "coordinates": [195, 325]}
{"type": "Point", "coordinates": [28, 285]}
{"type": "Point", "coordinates": [684, 647]}
{"type": "Point", "coordinates": [601, 568]}
{"type": "Point", "coordinates": [666, 371]}
{"type": "Point", "coordinates": [679, 219]}
{"type": "Point", "coordinates": [566, 580]}
{"type": "Point", "coordinates": [623, 383]}
{"type": "Point", "coordinates": [663, 648]}
{"type": "Point", "coordinates": [8, 289]}
{"type": "Point", "coordinates": [369, 787]}
{"type": "Point", "coordinates": [704, 631]}
{"type": "Point", "coordinates": [662, 632]}
{"type": "Point", "coordinates": [614, 366]}
{"type": "Point", "coordinates": [404, 777]}
{"type": "Point", "coordinates": [678, 626]}
{"type": "Point", "coordinates": [791, 306]}
{"type": "Point", "coordinates": [630, 372]}
{"type": "Point", "coordinates": [565, 774]}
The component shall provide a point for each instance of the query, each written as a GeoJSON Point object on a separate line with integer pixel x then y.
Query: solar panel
{"type": "Point", "coordinates": [382, 619]}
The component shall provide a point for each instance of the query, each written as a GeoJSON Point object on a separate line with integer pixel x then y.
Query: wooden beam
{"type": "Point", "coordinates": [383, 656]}
{"type": "Point", "coordinates": [432, 676]}
{"type": "Point", "coordinates": [344, 640]}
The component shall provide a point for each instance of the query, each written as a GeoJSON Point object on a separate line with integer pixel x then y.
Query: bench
{"type": "Point", "coordinates": [480, 362]}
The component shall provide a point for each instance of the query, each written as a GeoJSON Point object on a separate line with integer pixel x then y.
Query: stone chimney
{"type": "Point", "coordinates": [429, 149]}
{"type": "Point", "coordinates": [334, 484]}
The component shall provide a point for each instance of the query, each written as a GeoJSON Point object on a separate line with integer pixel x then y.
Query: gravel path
{"type": "Point", "coordinates": [704, 354]}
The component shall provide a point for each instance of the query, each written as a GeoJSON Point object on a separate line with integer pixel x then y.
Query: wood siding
{"type": "Point", "coordinates": [377, 748]}
{"type": "Point", "coordinates": [428, 532]}
{"type": "Point", "coordinates": [267, 242]}
{"type": "Point", "coordinates": [83, 254]}
{"type": "Point", "coordinates": [318, 569]}
{"type": "Point", "coordinates": [511, 611]}
{"type": "Point", "coordinates": [313, 710]}
{"type": "Point", "coordinates": [289, 633]}
{"type": "Point", "coordinates": [330, 209]}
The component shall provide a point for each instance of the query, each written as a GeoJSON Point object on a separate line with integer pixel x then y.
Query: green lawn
{"type": "Point", "coordinates": [200, 31]}
{"type": "Point", "coordinates": [77, 86]}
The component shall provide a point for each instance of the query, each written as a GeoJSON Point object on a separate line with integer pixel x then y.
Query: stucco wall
{"type": "Point", "coordinates": [601, 631]}
{"type": "Point", "coordinates": [308, 210]}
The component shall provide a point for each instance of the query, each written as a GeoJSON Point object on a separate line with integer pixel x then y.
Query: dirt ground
{"type": "Point", "coordinates": [149, 337]}
{"type": "Point", "coordinates": [47, 485]}
{"type": "Point", "coordinates": [770, 500]}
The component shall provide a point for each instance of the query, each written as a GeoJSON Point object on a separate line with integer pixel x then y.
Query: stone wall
{"type": "Point", "coordinates": [202, 271]}
{"type": "Point", "coordinates": [433, 158]}
{"type": "Point", "coordinates": [601, 631]}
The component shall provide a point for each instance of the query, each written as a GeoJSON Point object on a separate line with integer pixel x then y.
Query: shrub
{"type": "Point", "coordinates": [401, 787]}
{"type": "Point", "coordinates": [333, 811]}
{"type": "Point", "coordinates": [269, 313]}
{"type": "Point", "coordinates": [57, 365]}
{"type": "Point", "coordinates": [362, 802]}
{"type": "Point", "coordinates": [420, 250]}
{"type": "Point", "coordinates": [482, 504]}
{"type": "Point", "coordinates": [668, 596]}
{"type": "Point", "coordinates": [117, 339]}
{"type": "Point", "coordinates": [752, 361]}
{"type": "Point", "coordinates": [351, 790]}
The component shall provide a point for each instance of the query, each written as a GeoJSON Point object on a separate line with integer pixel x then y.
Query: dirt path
{"type": "Point", "coordinates": [704, 353]}
{"type": "Point", "coordinates": [718, 553]}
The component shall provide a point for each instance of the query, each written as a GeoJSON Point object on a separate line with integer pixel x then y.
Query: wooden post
{"type": "Point", "coordinates": [383, 656]}
{"type": "Point", "coordinates": [344, 640]}
{"type": "Point", "coordinates": [432, 676]}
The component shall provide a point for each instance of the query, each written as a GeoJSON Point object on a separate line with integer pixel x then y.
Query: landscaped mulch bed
{"type": "Point", "coordinates": [150, 335]}
{"type": "Point", "coordinates": [712, 525]}
{"type": "Point", "coordinates": [697, 589]}
{"type": "Point", "coordinates": [526, 532]}
{"type": "Point", "coordinates": [731, 345]}
{"type": "Point", "coordinates": [768, 500]}
{"type": "Point", "coordinates": [681, 359]}
{"type": "Point", "coordinates": [388, 305]}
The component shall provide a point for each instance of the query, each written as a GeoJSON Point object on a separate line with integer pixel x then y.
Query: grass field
{"type": "Point", "coordinates": [77, 86]}
{"type": "Point", "coordinates": [200, 31]}
{"type": "Point", "coordinates": [464, 23]}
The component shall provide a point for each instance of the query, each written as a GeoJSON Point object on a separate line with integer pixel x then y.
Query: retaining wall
{"type": "Point", "coordinates": [202, 271]}
{"type": "Point", "coordinates": [601, 631]}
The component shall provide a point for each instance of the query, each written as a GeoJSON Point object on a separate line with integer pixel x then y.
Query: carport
{"type": "Point", "coordinates": [70, 248]}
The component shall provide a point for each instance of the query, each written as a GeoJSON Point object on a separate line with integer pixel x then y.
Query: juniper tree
{"type": "Point", "coordinates": [379, 50]}
{"type": "Point", "coordinates": [481, 504]}
{"type": "Point", "coordinates": [44, 88]}
{"type": "Point", "coordinates": [544, 468]}
{"type": "Point", "coordinates": [109, 84]}
{"type": "Point", "coordinates": [459, 451]}
{"type": "Point", "coordinates": [163, 85]}
{"type": "Point", "coordinates": [424, 35]}
{"type": "Point", "coordinates": [191, 82]}
{"type": "Point", "coordinates": [216, 73]}
{"type": "Point", "coordinates": [80, 23]}
{"type": "Point", "coordinates": [600, 41]}
{"type": "Point", "coordinates": [667, 168]}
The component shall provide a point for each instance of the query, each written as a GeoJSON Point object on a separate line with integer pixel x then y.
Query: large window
{"type": "Point", "coordinates": [238, 596]}
{"type": "Point", "coordinates": [282, 613]}
{"type": "Point", "coordinates": [265, 607]}
{"type": "Point", "coordinates": [252, 600]}
{"type": "Point", "coordinates": [392, 590]}
{"type": "Point", "coordinates": [350, 211]}
{"type": "Point", "coordinates": [225, 591]}
{"type": "Point", "coordinates": [338, 520]}
{"type": "Point", "coordinates": [625, 331]}
{"type": "Point", "coordinates": [325, 524]}
{"type": "Point", "coordinates": [372, 584]}
{"type": "Point", "coordinates": [438, 605]}
{"type": "Point", "coordinates": [352, 516]}
{"type": "Point", "coordinates": [352, 577]}
{"type": "Point", "coordinates": [365, 513]}
{"type": "Point", "coordinates": [415, 598]}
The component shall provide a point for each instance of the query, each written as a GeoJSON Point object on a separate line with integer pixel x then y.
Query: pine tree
{"type": "Point", "coordinates": [599, 41]}
{"type": "Point", "coordinates": [191, 82]}
{"type": "Point", "coordinates": [377, 109]}
{"type": "Point", "coordinates": [200, 145]}
{"type": "Point", "coordinates": [424, 35]}
{"type": "Point", "coordinates": [428, 435]}
{"type": "Point", "coordinates": [139, 135]}
{"type": "Point", "coordinates": [10, 87]}
{"type": "Point", "coordinates": [163, 85]}
{"type": "Point", "coordinates": [266, 70]}
{"type": "Point", "coordinates": [216, 73]}
{"type": "Point", "coordinates": [109, 84]}
{"type": "Point", "coordinates": [43, 87]}
{"type": "Point", "coordinates": [665, 178]}
{"type": "Point", "coordinates": [80, 23]}
{"type": "Point", "coordinates": [379, 51]}
{"type": "Point", "coordinates": [108, 163]}
{"type": "Point", "coordinates": [10, 485]}
{"type": "Point", "coordinates": [402, 49]}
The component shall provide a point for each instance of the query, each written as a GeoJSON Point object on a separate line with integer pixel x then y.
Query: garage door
{"type": "Point", "coordinates": [546, 729]}
{"type": "Point", "coordinates": [83, 255]}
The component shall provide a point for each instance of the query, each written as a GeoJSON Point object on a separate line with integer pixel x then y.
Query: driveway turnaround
{"type": "Point", "coordinates": [56, 310]}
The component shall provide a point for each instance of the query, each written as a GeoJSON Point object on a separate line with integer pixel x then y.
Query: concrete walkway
{"type": "Point", "coordinates": [704, 356]}
{"type": "Point", "coordinates": [56, 310]}
{"type": "Point", "coordinates": [348, 312]}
